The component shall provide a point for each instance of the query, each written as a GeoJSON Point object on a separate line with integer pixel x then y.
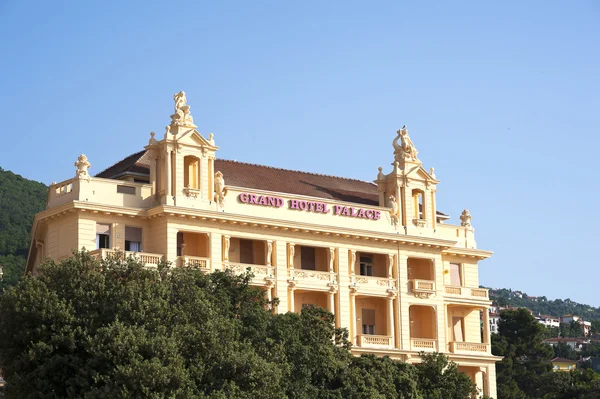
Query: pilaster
{"type": "Point", "coordinates": [344, 290]}
{"type": "Point", "coordinates": [281, 275]}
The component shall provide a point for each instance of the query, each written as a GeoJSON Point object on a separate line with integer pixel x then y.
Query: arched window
{"type": "Point", "coordinates": [191, 174]}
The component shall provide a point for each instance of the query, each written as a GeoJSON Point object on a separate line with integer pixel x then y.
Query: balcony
{"type": "Point", "coordinates": [147, 259]}
{"type": "Point", "coordinates": [422, 288]}
{"type": "Point", "coordinates": [423, 344]}
{"type": "Point", "coordinates": [194, 261]}
{"type": "Point", "coordinates": [469, 348]}
{"type": "Point", "coordinates": [374, 341]}
{"type": "Point", "coordinates": [466, 293]}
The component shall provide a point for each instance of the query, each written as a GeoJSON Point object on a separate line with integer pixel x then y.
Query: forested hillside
{"type": "Point", "coordinates": [543, 305]}
{"type": "Point", "coordinates": [20, 199]}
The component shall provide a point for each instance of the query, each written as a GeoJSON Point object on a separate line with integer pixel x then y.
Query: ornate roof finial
{"type": "Point", "coordinates": [432, 172]}
{"type": "Point", "coordinates": [82, 168]}
{"type": "Point", "coordinates": [152, 140]}
{"type": "Point", "coordinates": [380, 175]}
{"type": "Point", "coordinates": [465, 218]}
{"type": "Point", "coordinates": [406, 150]}
{"type": "Point", "coordinates": [211, 139]}
{"type": "Point", "coordinates": [182, 116]}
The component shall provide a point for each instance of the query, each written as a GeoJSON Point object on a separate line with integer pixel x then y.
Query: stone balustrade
{"type": "Point", "coordinates": [374, 341]}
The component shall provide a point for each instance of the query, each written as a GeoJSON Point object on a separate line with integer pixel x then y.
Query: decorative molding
{"type": "Point", "coordinates": [193, 193]}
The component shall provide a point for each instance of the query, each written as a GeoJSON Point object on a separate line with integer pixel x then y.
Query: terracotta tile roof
{"type": "Point", "coordinates": [269, 178]}
{"type": "Point", "coordinates": [563, 360]}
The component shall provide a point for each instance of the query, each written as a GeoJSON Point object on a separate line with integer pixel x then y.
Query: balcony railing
{"type": "Point", "coordinates": [372, 282]}
{"type": "Point", "coordinates": [147, 259]}
{"type": "Point", "coordinates": [423, 344]}
{"type": "Point", "coordinates": [374, 341]}
{"type": "Point", "coordinates": [311, 275]}
{"type": "Point", "coordinates": [422, 288]}
{"type": "Point", "coordinates": [194, 261]}
{"type": "Point", "coordinates": [468, 348]}
{"type": "Point", "coordinates": [465, 292]}
{"type": "Point", "coordinates": [258, 270]}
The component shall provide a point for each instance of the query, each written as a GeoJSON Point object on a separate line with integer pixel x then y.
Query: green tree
{"type": "Point", "coordinates": [562, 349]}
{"type": "Point", "coordinates": [526, 359]}
{"type": "Point", "coordinates": [116, 329]}
{"type": "Point", "coordinates": [440, 379]}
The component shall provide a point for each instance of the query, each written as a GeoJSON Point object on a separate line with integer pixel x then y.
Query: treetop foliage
{"type": "Point", "coordinates": [116, 329]}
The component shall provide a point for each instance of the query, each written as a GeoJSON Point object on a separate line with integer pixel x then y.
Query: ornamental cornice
{"type": "Point", "coordinates": [467, 253]}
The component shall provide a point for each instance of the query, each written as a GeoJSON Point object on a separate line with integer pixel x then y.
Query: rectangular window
{"type": "Point", "coordinates": [455, 275]}
{"type": "Point", "coordinates": [366, 266]}
{"type": "Point", "coordinates": [126, 189]}
{"type": "Point", "coordinates": [102, 236]}
{"type": "Point", "coordinates": [308, 258]}
{"type": "Point", "coordinates": [133, 239]}
{"type": "Point", "coordinates": [247, 251]}
{"type": "Point", "coordinates": [368, 321]}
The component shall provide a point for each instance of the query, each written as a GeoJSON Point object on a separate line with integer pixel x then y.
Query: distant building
{"type": "Point", "coordinates": [585, 325]}
{"type": "Point", "coordinates": [548, 321]}
{"type": "Point", "coordinates": [494, 320]}
{"type": "Point", "coordinates": [562, 364]}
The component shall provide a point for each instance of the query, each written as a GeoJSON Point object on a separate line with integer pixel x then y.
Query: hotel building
{"type": "Point", "coordinates": [378, 255]}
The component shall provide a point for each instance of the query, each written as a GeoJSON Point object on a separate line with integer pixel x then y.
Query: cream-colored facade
{"type": "Point", "coordinates": [381, 259]}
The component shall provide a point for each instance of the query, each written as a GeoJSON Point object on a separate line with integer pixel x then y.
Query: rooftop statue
{"type": "Point", "coordinates": [465, 218]}
{"type": "Point", "coordinates": [182, 114]}
{"type": "Point", "coordinates": [82, 168]}
{"type": "Point", "coordinates": [407, 150]}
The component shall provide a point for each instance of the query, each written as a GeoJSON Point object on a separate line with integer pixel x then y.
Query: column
{"type": "Point", "coordinates": [390, 318]}
{"type": "Point", "coordinates": [352, 265]}
{"type": "Point", "coordinates": [390, 266]}
{"type": "Point", "coordinates": [290, 255]}
{"type": "Point", "coordinates": [331, 300]}
{"type": "Point", "coordinates": [226, 248]}
{"type": "Point", "coordinates": [331, 260]}
{"type": "Point", "coordinates": [353, 316]}
{"type": "Point", "coordinates": [269, 293]}
{"type": "Point", "coordinates": [269, 252]}
{"type": "Point", "coordinates": [291, 289]}
{"type": "Point", "coordinates": [486, 326]}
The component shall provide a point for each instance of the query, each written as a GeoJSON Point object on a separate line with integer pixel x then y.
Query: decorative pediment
{"type": "Point", "coordinates": [194, 138]}
{"type": "Point", "coordinates": [418, 173]}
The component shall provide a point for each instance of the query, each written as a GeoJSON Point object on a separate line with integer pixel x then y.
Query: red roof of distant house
{"type": "Point", "coordinates": [563, 360]}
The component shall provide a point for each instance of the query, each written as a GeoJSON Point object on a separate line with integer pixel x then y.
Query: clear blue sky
{"type": "Point", "coordinates": [502, 98]}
